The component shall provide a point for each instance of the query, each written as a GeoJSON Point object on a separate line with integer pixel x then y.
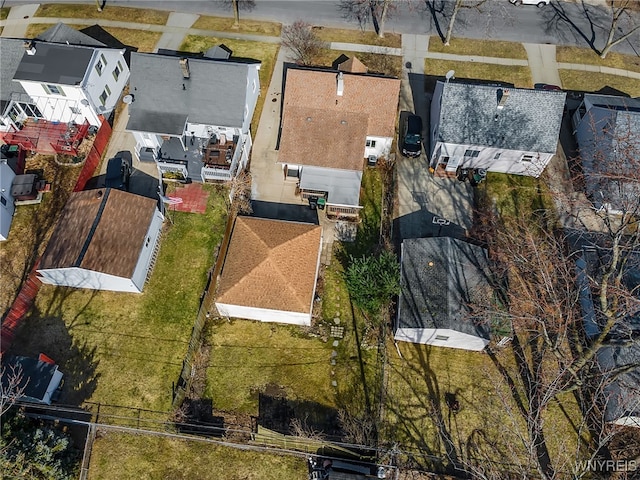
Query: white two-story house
{"type": "Point", "coordinates": [500, 129]}
{"type": "Point", "coordinates": [65, 83]}
{"type": "Point", "coordinates": [193, 115]}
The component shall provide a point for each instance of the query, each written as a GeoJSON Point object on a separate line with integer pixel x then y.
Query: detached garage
{"type": "Point", "coordinates": [441, 278]}
{"type": "Point", "coordinates": [105, 239]}
{"type": "Point", "coordinates": [270, 271]}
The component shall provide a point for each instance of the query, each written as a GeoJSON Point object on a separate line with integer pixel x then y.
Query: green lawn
{"type": "Point", "coordinates": [250, 357]}
{"type": "Point", "coordinates": [35, 29]}
{"type": "Point", "coordinates": [123, 14]}
{"type": "Point", "coordinates": [127, 349]}
{"type": "Point", "coordinates": [589, 57]}
{"type": "Point", "coordinates": [225, 24]}
{"type": "Point", "coordinates": [594, 81]}
{"type": "Point", "coordinates": [418, 417]}
{"type": "Point", "coordinates": [484, 48]}
{"type": "Point", "coordinates": [265, 52]}
{"type": "Point", "coordinates": [147, 457]}
{"type": "Point", "coordinates": [518, 75]}
{"type": "Point", "coordinates": [513, 195]}
{"type": "Point", "coordinates": [4, 12]}
{"type": "Point", "coordinates": [357, 36]}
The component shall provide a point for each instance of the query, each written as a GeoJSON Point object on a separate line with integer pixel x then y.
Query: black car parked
{"type": "Point", "coordinates": [119, 171]}
{"type": "Point", "coordinates": [411, 140]}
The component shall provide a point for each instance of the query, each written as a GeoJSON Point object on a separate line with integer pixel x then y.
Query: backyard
{"type": "Point", "coordinates": [126, 349]}
{"type": "Point", "coordinates": [124, 455]}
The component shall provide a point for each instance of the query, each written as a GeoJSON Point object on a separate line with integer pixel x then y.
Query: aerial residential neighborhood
{"type": "Point", "coordinates": [314, 240]}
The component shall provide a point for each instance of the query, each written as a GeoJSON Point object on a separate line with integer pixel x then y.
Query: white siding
{"type": "Point", "coordinates": [57, 108]}
{"type": "Point", "coordinates": [381, 149]}
{"type": "Point", "coordinates": [264, 314]}
{"type": "Point", "coordinates": [252, 95]}
{"type": "Point", "coordinates": [628, 421]}
{"type": "Point", "coordinates": [144, 260]}
{"type": "Point", "coordinates": [427, 336]}
{"type": "Point", "coordinates": [80, 278]}
{"type": "Point", "coordinates": [94, 83]}
{"type": "Point", "coordinates": [6, 211]}
{"type": "Point", "coordinates": [509, 161]}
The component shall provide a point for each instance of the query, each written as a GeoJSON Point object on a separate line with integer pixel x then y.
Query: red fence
{"type": "Point", "coordinates": [30, 289]}
{"type": "Point", "coordinates": [19, 309]}
{"type": "Point", "coordinates": [95, 155]}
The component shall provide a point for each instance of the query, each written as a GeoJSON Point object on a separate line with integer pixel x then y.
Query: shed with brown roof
{"type": "Point", "coordinates": [270, 271]}
{"type": "Point", "coordinates": [104, 240]}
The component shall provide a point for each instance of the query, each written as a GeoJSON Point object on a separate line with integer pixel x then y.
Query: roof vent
{"type": "Point", "coordinates": [340, 79]}
{"type": "Point", "coordinates": [503, 96]}
{"type": "Point", "coordinates": [30, 47]}
{"type": "Point", "coordinates": [184, 65]}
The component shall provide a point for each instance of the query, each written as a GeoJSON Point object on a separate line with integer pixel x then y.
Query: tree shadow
{"type": "Point", "coordinates": [49, 334]}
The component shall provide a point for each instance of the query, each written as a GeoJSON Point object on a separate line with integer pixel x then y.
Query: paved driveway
{"type": "Point", "coordinates": [427, 206]}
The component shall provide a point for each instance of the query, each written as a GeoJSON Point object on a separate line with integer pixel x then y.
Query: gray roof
{"type": "Point", "coordinates": [11, 52]}
{"type": "Point", "coordinates": [36, 375]}
{"type": "Point", "coordinates": [611, 164]}
{"type": "Point", "coordinates": [61, 33]}
{"type": "Point", "coordinates": [343, 186]}
{"type": "Point", "coordinates": [441, 277]}
{"type": "Point", "coordinates": [530, 120]}
{"type": "Point", "coordinates": [55, 63]}
{"type": "Point", "coordinates": [612, 101]}
{"type": "Point", "coordinates": [215, 93]}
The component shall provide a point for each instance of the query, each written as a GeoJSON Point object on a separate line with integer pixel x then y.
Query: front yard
{"type": "Point", "coordinates": [126, 349]}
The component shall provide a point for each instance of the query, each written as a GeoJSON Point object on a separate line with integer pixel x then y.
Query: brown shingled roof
{"type": "Point", "coordinates": [353, 65]}
{"type": "Point", "coordinates": [271, 264]}
{"type": "Point", "coordinates": [323, 138]}
{"type": "Point", "coordinates": [100, 230]}
{"type": "Point", "coordinates": [374, 97]}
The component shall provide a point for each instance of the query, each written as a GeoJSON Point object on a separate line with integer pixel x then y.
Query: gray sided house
{"type": "Point", "coordinates": [607, 130]}
{"type": "Point", "coordinates": [500, 129]}
{"type": "Point", "coordinates": [192, 115]}
{"type": "Point", "coordinates": [619, 359]}
{"type": "Point", "coordinates": [440, 278]}
{"type": "Point", "coordinates": [105, 239]}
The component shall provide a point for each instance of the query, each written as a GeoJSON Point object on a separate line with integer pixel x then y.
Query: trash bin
{"type": "Point", "coordinates": [321, 203]}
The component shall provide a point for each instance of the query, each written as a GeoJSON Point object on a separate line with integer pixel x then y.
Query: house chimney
{"type": "Point", "coordinates": [184, 64]}
{"type": "Point", "coordinates": [30, 47]}
{"type": "Point", "coordinates": [340, 80]}
{"type": "Point", "coordinates": [503, 96]}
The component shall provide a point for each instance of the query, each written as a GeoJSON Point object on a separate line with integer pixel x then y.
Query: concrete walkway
{"type": "Point", "coordinates": [542, 62]}
{"type": "Point", "coordinates": [172, 39]}
{"type": "Point", "coordinates": [16, 23]}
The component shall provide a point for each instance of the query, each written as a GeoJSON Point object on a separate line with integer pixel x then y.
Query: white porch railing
{"type": "Point", "coordinates": [172, 168]}
{"type": "Point", "coordinates": [218, 174]}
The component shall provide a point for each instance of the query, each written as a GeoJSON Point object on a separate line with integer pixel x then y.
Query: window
{"type": "Point", "coordinates": [75, 110]}
{"type": "Point", "coordinates": [147, 242]}
{"type": "Point", "coordinates": [99, 67]}
{"type": "Point", "coordinates": [102, 57]}
{"type": "Point", "coordinates": [371, 143]}
{"type": "Point", "coordinates": [444, 338]}
{"type": "Point", "coordinates": [117, 71]}
{"type": "Point", "coordinates": [471, 153]}
{"type": "Point", "coordinates": [3, 200]}
{"type": "Point", "coordinates": [105, 94]}
{"type": "Point", "coordinates": [497, 156]}
{"type": "Point", "coordinates": [527, 158]}
{"type": "Point", "coordinates": [53, 89]}
{"type": "Point", "coordinates": [444, 160]}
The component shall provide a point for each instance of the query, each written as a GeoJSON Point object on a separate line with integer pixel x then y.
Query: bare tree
{"type": "Point", "coordinates": [236, 6]}
{"type": "Point", "coordinates": [619, 23]}
{"type": "Point", "coordinates": [448, 10]}
{"type": "Point", "coordinates": [240, 194]}
{"type": "Point", "coordinates": [363, 10]}
{"type": "Point", "coordinates": [302, 41]}
{"type": "Point", "coordinates": [11, 388]}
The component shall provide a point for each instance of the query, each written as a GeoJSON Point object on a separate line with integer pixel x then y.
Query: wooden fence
{"type": "Point", "coordinates": [95, 155]}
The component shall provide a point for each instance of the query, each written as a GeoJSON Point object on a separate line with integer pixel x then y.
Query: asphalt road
{"type": "Point", "coordinates": [497, 19]}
